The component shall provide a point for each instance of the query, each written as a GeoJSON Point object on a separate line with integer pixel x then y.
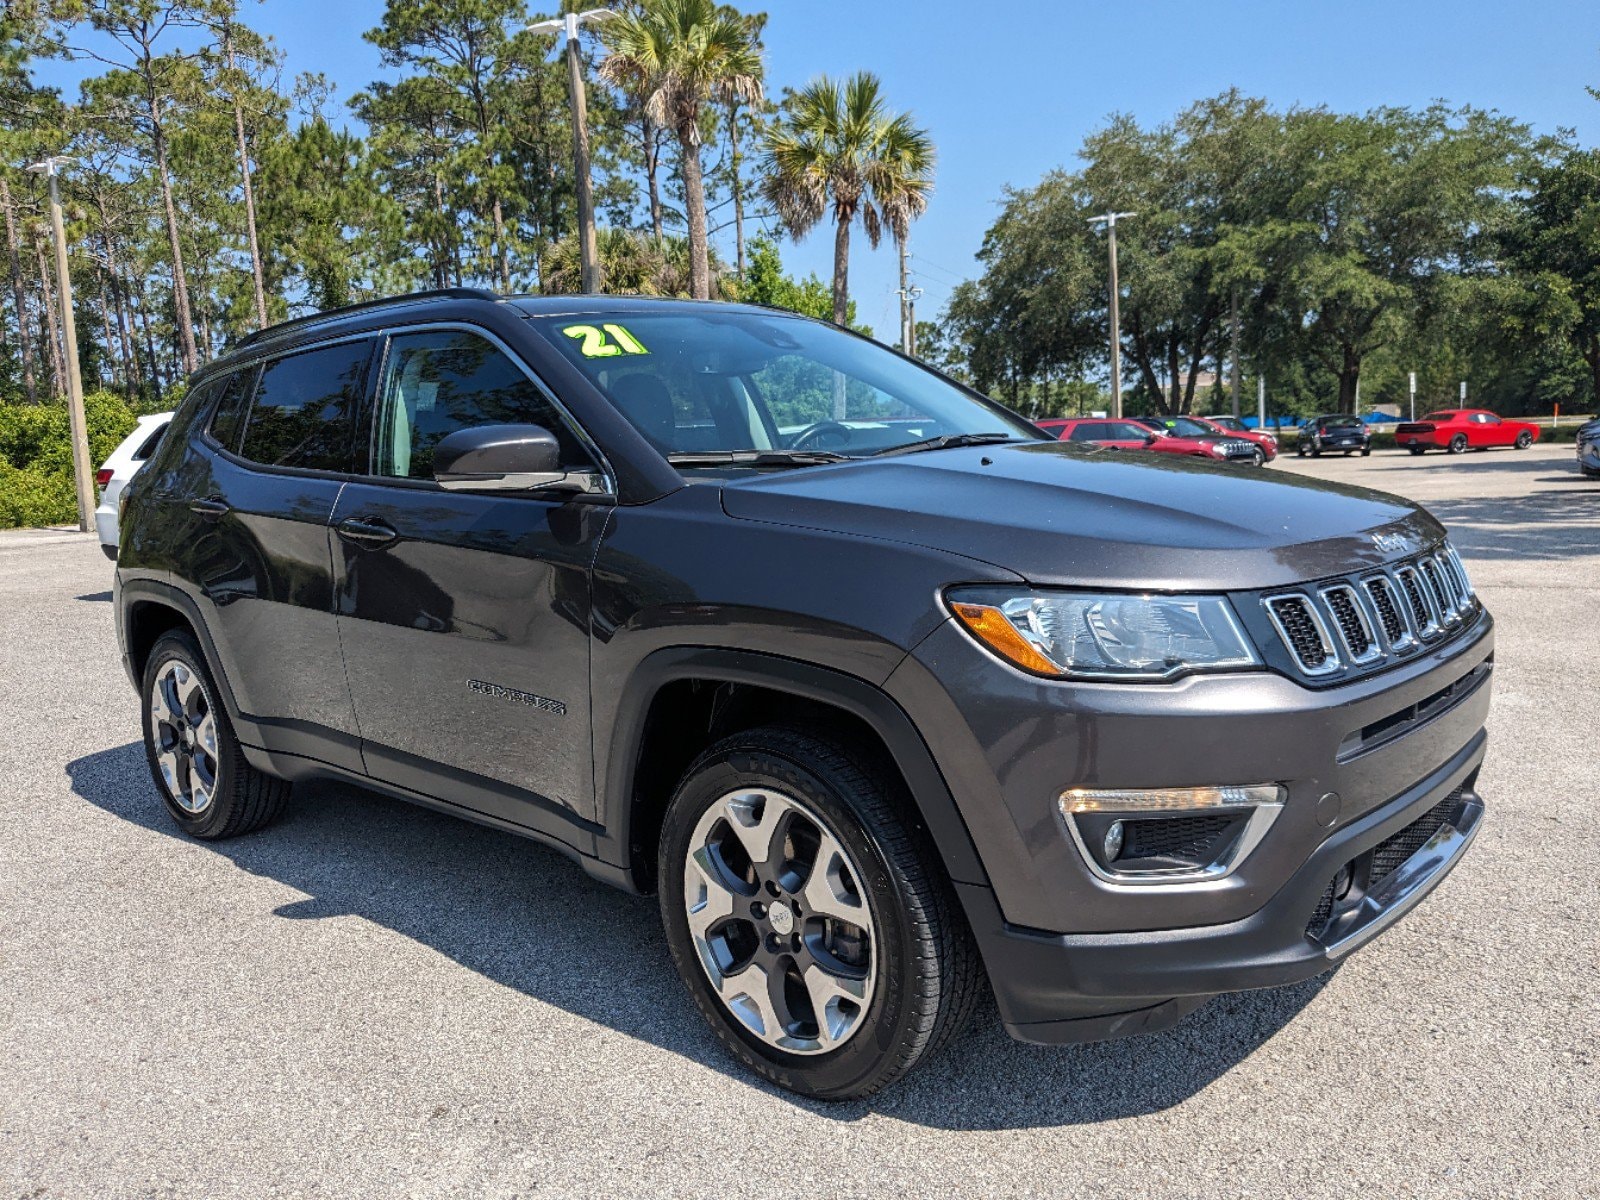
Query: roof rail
{"type": "Point", "coordinates": [451, 293]}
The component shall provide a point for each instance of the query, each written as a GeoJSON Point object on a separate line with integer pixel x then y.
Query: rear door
{"type": "Point", "coordinates": [464, 617]}
{"type": "Point", "coordinates": [283, 434]}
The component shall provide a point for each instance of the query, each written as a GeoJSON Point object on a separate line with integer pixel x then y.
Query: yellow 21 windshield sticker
{"type": "Point", "coordinates": [596, 343]}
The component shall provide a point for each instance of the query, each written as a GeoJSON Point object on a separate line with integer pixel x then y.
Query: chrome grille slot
{"type": "Point", "coordinates": [1350, 619]}
{"type": "Point", "coordinates": [1304, 632]}
{"type": "Point", "coordinates": [1396, 629]}
{"type": "Point", "coordinates": [1460, 568]}
{"type": "Point", "coordinates": [1424, 617]}
{"type": "Point", "coordinates": [1443, 597]}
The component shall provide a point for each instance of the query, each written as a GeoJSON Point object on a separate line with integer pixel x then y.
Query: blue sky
{"type": "Point", "coordinates": [1009, 90]}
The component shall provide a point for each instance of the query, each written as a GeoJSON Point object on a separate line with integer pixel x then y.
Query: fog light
{"type": "Point", "coordinates": [1168, 835]}
{"type": "Point", "coordinates": [1113, 842]}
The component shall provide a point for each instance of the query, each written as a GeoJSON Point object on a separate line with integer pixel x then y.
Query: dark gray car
{"type": "Point", "coordinates": [893, 701]}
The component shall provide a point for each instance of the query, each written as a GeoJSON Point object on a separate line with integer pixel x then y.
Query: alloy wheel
{"type": "Point", "coordinates": [183, 728]}
{"type": "Point", "coordinates": [780, 921]}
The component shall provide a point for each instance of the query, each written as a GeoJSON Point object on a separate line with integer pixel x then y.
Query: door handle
{"type": "Point", "coordinates": [210, 506]}
{"type": "Point", "coordinates": [368, 531]}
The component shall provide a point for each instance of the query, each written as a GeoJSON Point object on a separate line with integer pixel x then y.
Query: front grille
{"type": "Point", "coordinates": [1377, 617]}
{"type": "Point", "coordinates": [1303, 633]}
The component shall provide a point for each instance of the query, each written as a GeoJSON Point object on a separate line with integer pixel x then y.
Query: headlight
{"type": "Point", "coordinates": [1077, 635]}
{"type": "Point", "coordinates": [1217, 450]}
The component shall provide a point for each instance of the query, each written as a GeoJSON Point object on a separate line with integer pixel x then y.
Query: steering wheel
{"type": "Point", "coordinates": [818, 429]}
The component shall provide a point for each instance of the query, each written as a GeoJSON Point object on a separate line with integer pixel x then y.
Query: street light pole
{"type": "Point", "coordinates": [82, 472]}
{"type": "Point", "coordinates": [588, 250]}
{"type": "Point", "coordinates": [1109, 220]}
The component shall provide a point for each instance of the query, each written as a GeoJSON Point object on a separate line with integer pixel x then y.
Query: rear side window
{"type": "Point", "coordinates": [442, 380]}
{"type": "Point", "coordinates": [227, 419]}
{"type": "Point", "coordinates": [304, 407]}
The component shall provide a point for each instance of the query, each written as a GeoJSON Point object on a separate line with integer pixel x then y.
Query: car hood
{"type": "Point", "coordinates": [1058, 513]}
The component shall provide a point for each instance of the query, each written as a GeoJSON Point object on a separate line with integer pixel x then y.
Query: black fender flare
{"type": "Point", "coordinates": [824, 685]}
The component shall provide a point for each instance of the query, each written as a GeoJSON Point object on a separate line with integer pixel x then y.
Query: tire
{"type": "Point", "coordinates": [1300, 450]}
{"type": "Point", "coordinates": [1417, 450]}
{"type": "Point", "coordinates": [910, 963]}
{"type": "Point", "coordinates": [1524, 440]}
{"type": "Point", "coordinates": [1316, 452]}
{"type": "Point", "coordinates": [212, 791]}
{"type": "Point", "coordinates": [1366, 452]}
{"type": "Point", "coordinates": [1458, 444]}
{"type": "Point", "coordinates": [1259, 458]}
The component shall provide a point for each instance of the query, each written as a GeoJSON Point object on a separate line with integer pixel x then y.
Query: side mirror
{"type": "Point", "coordinates": [1152, 436]}
{"type": "Point", "coordinates": [504, 458]}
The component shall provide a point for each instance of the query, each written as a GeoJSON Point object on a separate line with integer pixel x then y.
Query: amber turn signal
{"type": "Point", "coordinates": [994, 630]}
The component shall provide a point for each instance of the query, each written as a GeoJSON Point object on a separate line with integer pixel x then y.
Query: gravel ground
{"type": "Point", "coordinates": [370, 999]}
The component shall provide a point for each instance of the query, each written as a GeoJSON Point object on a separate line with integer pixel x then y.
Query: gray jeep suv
{"type": "Point", "coordinates": [893, 700]}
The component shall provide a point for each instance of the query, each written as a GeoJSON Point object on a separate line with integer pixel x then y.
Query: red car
{"type": "Point", "coordinates": [1234, 427]}
{"type": "Point", "coordinates": [1458, 429]}
{"type": "Point", "coordinates": [1124, 435]}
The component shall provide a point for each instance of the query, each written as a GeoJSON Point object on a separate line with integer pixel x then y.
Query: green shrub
{"type": "Point", "coordinates": [36, 485]}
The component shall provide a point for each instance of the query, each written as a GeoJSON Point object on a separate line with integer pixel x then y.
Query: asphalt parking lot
{"type": "Point", "coordinates": [371, 999]}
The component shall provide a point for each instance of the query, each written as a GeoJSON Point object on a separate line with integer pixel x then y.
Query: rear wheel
{"type": "Point", "coordinates": [1416, 450]}
{"type": "Point", "coordinates": [1524, 440]}
{"type": "Point", "coordinates": [1366, 452]}
{"type": "Point", "coordinates": [815, 934]}
{"type": "Point", "coordinates": [1458, 444]}
{"type": "Point", "coordinates": [195, 759]}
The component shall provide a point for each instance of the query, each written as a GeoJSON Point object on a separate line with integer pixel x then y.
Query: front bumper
{"type": "Point", "coordinates": [1589, 457]}
{"type": "Point", "coordinates": [1088, 987]}
{"type": "Point", "coordinates": [1075, 957]}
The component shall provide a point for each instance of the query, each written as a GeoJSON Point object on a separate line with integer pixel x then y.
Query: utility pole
{"type": "Point", "coordinates": [1109, 220]}
{"type": "Point", "coordinates": [1413, 395]}
{"type": "Point", "coordinates": [908, 304]}
{"type": "Point", "coordinates": [588, 250]}
{"type": "Point", "coordinates": [1234, 381]}
{"type": "Point", "coordinates": [1261, 403]}
{"type": "Point", "coordinates": [82, 472]}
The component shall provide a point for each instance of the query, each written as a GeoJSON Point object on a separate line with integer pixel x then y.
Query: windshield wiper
{"type": "Point", "coordinates": [754, 458]}
{"type": "Point", "coordinates": [945, 441]}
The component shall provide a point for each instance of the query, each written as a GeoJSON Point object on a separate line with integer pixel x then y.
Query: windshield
{"type": "Point", "coordinates": [1184, 427]}
{"type": "Point", "coordinates": [730, 382]}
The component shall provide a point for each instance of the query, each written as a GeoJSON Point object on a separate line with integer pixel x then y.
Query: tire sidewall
{"type": "Point", "coordinates": [840, 1072]}
{"type": "Point", "coordinates": [180, 647]}
{"type": "Point", "coordinates": [1524, 440]}
{"type": "Point", "coordinates": [1458, 444]}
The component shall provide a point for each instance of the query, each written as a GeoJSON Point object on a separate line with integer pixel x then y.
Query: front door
{"type": "Point", "coordinates": [464, 617]}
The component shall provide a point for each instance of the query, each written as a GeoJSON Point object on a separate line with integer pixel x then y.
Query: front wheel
{"type": "Point", "coordinates": [1458, 444]}
{"type": "Point", "coordinates": [1524, 440]}
{"type": "Point", "coordinates": [1259, 457]}
{"type": "Point", "coordinates": [1366, 452]}
{"type": "Point", "coordinates": [816, 936]}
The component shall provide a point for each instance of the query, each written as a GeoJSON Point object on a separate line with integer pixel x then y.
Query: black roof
{"type": "Point", "coordinates": [532, 305]}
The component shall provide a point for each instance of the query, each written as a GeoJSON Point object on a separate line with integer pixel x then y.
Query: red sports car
{"type": "Point", "coordinates": [1124, 435]}
{"type": "Point", "coordinates": [1460, 429]}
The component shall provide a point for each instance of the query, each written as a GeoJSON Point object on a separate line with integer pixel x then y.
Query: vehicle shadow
{"type": "Point", "coordinates": [529, 919]}
{"type": "Point", "coordinates": [95, 596]}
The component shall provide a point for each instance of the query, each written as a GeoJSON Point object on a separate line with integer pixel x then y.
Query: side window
{"type": "Point", "coordinates": [232, 395]}
{"type": "Point", "coordinates": [150, 443]}
{"type": "Point", "coordinates": [1084, 433]}
{"type": "Point", "coordinates": [303, 408]}
{"type": "Point", "coordinates": [442, 380]}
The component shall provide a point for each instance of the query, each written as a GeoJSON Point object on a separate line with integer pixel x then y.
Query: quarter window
{"type": "Point", "coordinates": [442, 380]}
{"type": "Point", "coordinates": [303, 408]}
{"type": "Point", "coordinates": [227, 419]}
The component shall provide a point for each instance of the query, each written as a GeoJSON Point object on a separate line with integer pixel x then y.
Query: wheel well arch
{"type": "Point", "coordinates": [146, 621]}
{"type": "Point", "coordinates": [682, 701]}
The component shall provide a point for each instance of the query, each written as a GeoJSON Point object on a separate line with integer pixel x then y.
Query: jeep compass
{"type": "Point", "coordinates": [893, 701]}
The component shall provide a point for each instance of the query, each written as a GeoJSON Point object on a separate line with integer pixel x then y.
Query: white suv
{"type": "Point", "coordinates": [115, 472]}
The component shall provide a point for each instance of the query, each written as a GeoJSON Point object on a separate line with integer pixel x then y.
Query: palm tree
{"type": "Point", "coordinates": [679, 56]}
{"type": "Point", "coordinates": [837, 145]}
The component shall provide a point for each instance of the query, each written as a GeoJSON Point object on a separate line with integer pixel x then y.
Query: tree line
{"type": "Point", "coordinates": [210, 193]}
{"type": "Point", "coordinates": [1342, 251]}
